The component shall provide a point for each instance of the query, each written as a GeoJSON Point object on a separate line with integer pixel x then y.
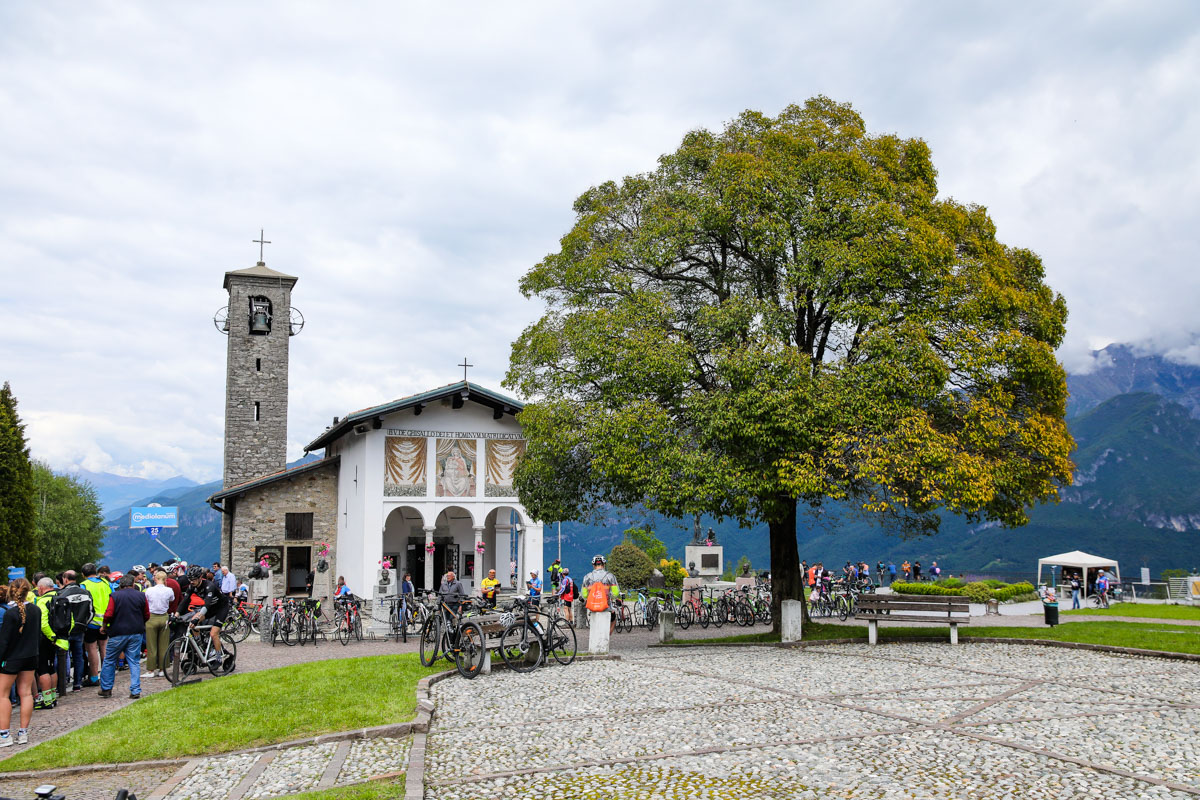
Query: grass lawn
{"type": "Point", "coordinates": [1154, 611]}
{"type": "Point", "coordinates": [1146, 636]}
{"type": "Point", "coordinates": [240, 711]}
{"type": "Point", "coordinates": [392, 789]}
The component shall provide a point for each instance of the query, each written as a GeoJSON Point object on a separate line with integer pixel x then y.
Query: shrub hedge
{"type": "Point", "coordinates": [977, 591]}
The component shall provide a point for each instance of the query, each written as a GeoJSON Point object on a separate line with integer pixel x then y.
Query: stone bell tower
{"type": "Point", "coordinates": [259, 321]}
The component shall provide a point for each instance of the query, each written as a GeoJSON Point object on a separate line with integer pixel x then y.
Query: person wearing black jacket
{"type": "Point", "coordinates": [216, 606]}
{"type": "Point", "coordinates": [20, 633]}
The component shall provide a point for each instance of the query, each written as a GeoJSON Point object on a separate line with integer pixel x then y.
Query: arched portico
{"type": "Point", "coordinates": [427, 539]}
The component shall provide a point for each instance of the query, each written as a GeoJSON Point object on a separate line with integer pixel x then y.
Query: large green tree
{"type": "Point", "coordinates": [785, 313]}
{"type": "Point", "coordinates": [70, 526]}
{"type": "Point", "coordinates": [17, 519]}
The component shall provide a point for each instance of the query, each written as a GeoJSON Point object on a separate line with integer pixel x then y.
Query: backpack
{"type": "Point", "coordinates": [60, 618]}
{"type": "Point", "coordinates": [597, 597]}
{"type": "Point", "coordinates": [79, 600]}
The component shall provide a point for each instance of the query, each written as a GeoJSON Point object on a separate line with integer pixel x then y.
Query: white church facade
{"type": "Point", "coordinates": [423, 483]}
{"type": "Point", "coordinates": [426, 482]}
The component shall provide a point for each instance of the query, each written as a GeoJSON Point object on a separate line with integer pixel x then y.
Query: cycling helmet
{"type": "Point", "coordinates": [195, 573]}
{"type": "Point", "coordinates": [138, 568]}
{"type": "Point", "coordinates": [599, 558]}
{"type": "Point", "coordinates": [115, 576]}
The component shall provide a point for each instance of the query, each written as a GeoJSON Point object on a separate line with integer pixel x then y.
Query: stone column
{"type": "Point", "coordinates": [598, 622]}
{"type": "Point", "coordinates": [666, 626]}
{"type": "Point", "coordinates": [429, 584]}
{"type": "Point", "coordinates": [268, 609]}
{"type": "Point", "coordinates": [790, 620]}
{"type": "Point", "coordinates": [477, 575]}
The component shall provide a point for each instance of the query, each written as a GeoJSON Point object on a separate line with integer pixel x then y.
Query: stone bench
{"type": "Point", "coordinates": [903, 608]}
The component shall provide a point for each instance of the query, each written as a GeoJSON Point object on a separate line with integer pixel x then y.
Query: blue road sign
{"type": "Point", "coordinates": [15, 572]}
{"type": "Point", "coordinates": [154, 532]}
{"type": "Point", "coordinates": [154, 517]}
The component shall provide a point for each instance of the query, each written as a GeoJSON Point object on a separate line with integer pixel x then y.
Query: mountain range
{"type": "Point", "coordinates": [1136, 497]}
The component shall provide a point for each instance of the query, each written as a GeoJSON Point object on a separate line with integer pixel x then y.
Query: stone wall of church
{"type": "Point", "coordinates": [259, 518]}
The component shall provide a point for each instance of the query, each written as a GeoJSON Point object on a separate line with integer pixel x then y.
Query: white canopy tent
{"type": "Point", "coordinates": [1077, 559]}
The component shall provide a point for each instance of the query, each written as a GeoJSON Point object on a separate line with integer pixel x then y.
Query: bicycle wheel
{"type": "Point", "coordinates": [843, 608]}
{"type": "Point", "coordinates": [684, 616]}
{"type": "Point", "coordinates": [287, 629]}
{"type": "Point", "coordinates": [639, 614]}
{"type": "Point", "coordinates": [1094, 601]}
{"type": "Point", "coordinates": [472, 647]}
{"type": "Point", "coordinates": [743, 614]}
{"type": "Point", "coordinates": [240, 629]}
{"type": "Point", "coordinates": [343, 630]}
{"type": "Point", "coordinates": [718, 613]}
{"type": "Point", "coordinates": [228, 662]}
{"type": "Point", "coordinates": [517, 649]}
{"type": "Point", "coordinates": [563, 645]}
{"type": "Point", "coordinates": [651, 614]}
{"type": "Point", "coordinates": [358, 626]}
{"type": "Point", "coordinates": [703, 616]}
{"type": "Point", "coordinates": [431, 637]}
{"type": "Point", "coordinates": [254, 617]}
{"type": "Point", "coordinates": [417, 614]}
{"type": "Point", "coordinates": [627, 618]}
{"type": "Point", "coordinates": [181, 661]}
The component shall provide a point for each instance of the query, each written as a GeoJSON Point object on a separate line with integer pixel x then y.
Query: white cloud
{"type": "Point", "coordinates": [409, 163]}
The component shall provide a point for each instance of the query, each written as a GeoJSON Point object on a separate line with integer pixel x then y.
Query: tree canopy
{"type": "Point", "coordinates": [17, 540]}
{"type": "Point", "coordinates": [782, 312]}
{"type": "Point", "coordinates": [70, 526]}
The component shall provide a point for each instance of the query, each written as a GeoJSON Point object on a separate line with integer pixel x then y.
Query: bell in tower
{"type": "Point", "coordinates": [260, 316]}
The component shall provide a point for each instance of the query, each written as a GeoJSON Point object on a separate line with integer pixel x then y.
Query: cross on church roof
{"type": "Point", "coordinates": [464, 365]}
{"type": "Point", "coordinates": [260, 241]}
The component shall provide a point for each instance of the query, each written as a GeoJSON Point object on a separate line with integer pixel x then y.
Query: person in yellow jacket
{"type": "Point", "coordinates": [48, 648]}
{"type": "Point", "coordinates": [94, 640]}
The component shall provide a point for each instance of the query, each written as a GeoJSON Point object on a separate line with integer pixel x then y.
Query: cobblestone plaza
{"type": "Point", "coordinates": [842, 721]}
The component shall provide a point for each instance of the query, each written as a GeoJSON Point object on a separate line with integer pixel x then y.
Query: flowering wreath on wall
{"type": "Point", "coordinates": [322, 549]}
{"type": "Point", "coordinates": [480, 547]}
{"type": "Point", "coordinates": [385, 563]}
{"type": "Point", "coordinates": [430, 547]}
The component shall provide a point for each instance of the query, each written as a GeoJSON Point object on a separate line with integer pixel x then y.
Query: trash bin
{"type": "Point", "coordinates": [1051, 612]}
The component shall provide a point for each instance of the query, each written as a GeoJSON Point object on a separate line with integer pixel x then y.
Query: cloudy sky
{"type": "Point", "coordinates": [409, 163]}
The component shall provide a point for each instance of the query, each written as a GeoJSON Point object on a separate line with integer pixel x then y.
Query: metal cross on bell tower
{"type": "Point", "coordinates": [260, 241]}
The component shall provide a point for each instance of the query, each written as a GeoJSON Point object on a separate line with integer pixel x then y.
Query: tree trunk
{"type": "Point", "coordinates": [786, 580]}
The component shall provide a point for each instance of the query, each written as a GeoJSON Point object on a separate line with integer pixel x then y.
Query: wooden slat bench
{"type": "Point", "coordinates": [902, 608]}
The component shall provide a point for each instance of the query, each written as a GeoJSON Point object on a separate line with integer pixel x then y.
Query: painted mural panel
{"type": "Point", "coordinates": [502, 458]}
{"type": "Point", "coordinates": [404, 466]}
{"type": "Point", "coordinates": [456, 468]}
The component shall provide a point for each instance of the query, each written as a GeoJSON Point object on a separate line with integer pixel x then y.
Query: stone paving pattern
{"type": "Point", "coordinates": [916, 720]}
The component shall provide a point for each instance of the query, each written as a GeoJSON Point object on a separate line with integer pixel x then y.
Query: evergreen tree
{"type": "Point", "coordinates": [70, 526]}
{"type": "Point", "coordinates": [18, 543]}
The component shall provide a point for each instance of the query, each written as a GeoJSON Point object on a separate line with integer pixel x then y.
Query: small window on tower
{"type": "Point", "coordinates": [258, 365]}
{"type": "Point", "coordinates": [256, 411]}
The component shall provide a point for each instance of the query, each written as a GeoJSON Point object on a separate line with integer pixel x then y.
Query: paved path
{"type": "Point", "coordinates": [842, 721]}
{"type": "Point", "coordinates": [79, 708]}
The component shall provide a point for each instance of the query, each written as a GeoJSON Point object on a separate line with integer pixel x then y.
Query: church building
{"type": "Point", "coordinates": [423, 483]}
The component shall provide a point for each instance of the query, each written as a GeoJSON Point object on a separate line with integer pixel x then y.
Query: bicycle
{"type": "Point", "coordinates": [307, 625]}
{"type": "Point", "coordinates": [452, 634]}
{"type": "Point", "coordinates": [349, 619]}
{"type": "Point", "coordinates": [283, 622]}
{"type": "Point", "coordinates": [186, 655]}
{"type": "Point", "coordinates": [556, 637]}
